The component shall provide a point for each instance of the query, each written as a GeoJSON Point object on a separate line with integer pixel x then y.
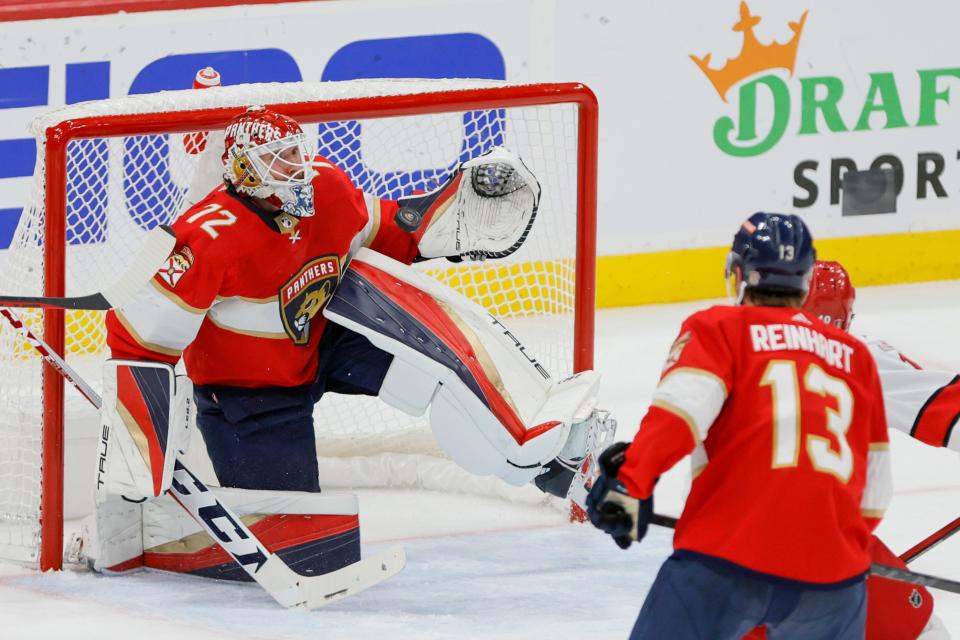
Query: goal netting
{"type": "Point", "coordinates": [109, 171]}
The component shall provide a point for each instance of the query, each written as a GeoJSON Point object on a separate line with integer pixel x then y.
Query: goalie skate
{"type": "Point", "coordinates": [570, 475]}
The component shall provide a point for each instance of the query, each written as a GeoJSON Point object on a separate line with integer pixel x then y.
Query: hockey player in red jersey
{"type": "Point", "coordinates": [239, 297]}
{"type": "Point", "coordinates": [287, 282]}
{"type": "Point", "coordinates": [784, 419]}
{"type": "Point", "coordinates": [260, 257]}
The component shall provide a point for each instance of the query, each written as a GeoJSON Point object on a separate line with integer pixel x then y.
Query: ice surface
{"type": "Point", "coordinates": [485, 568]}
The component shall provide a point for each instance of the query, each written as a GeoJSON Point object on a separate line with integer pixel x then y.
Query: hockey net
{"type": "Point", "coordinates": [108, 171]}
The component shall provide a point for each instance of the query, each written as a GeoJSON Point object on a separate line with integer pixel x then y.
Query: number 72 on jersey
{"type": "Point", "coordinates": [216, 216]}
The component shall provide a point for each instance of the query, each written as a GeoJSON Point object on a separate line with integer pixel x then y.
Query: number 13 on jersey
{"type": "Point", "coordinates": [786, 385]}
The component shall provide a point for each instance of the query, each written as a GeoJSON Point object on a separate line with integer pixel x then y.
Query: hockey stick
{"type": "Point", "coordinates": [905, 575]}
{"type": "Point", "coordinates": [877, 569]}
{"type": "Point", "coordinates": [52, 358]}
{"type": "Point", "coordinates": [668, 522]}
{"type": "Point", "coordinates": [930, 541]}
{"type": "Point", "coordinates": [287, 587]}
{"type": "Point", "coordinates": [159, 243]}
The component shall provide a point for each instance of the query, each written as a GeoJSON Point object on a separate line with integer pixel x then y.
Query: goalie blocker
{"type": "Point", "coordinates": [493, 408]}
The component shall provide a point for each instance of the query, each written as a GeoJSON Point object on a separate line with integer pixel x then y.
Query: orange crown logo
{"type": "Point", "coordinates": [754, 57]}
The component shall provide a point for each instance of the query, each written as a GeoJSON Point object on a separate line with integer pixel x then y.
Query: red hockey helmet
{"type": "Point", "coordinates": [266, 156]}
{"type": "Point", "coordinates": [831, 294]}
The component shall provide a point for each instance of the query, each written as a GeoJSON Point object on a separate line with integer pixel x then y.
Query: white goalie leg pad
{"type": "Point", "coordinates": [486, 211]}
{"type": "Point", "coordinates": [493, 408]}
{"type": "Point", "coordinates": [313, 533]}
{"type": "Point", "coordinates": [473, 437]}
{"type": "Point", "coordinates": [184, 419]}
{"type": "Point", "coordinates": [141, 429]}
{"type": "Point", "coordinates": [121, 536]}
{"type": "Point", "coordinates": [165, 521]}
{"type": "Point", "coordinates": [111, 538]}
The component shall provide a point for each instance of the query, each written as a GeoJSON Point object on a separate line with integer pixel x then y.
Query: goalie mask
{"type": "Point", "coordinates": [266, 156]}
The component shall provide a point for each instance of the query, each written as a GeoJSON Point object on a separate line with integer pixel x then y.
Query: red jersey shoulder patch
{"type": "Point", "coordinates": [676, 349]}
{"type": "Point", "coordinates": [176, 265]}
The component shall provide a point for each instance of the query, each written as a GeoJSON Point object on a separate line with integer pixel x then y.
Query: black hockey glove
{"type": "Point", "coordinates": [610, 508]}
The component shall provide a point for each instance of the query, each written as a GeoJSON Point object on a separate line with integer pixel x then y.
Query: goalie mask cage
{"type": "Point", "coordinates": [108, 171]}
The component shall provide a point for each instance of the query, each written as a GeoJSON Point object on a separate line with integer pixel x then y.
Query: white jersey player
{"type": "Point", "coordinates": [922, 403]}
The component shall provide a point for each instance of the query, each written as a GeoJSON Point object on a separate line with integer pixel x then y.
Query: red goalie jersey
{"type": "Point", "coordinates": [785, 419]}
{"type": "Point", "coordinates": [240, 296]}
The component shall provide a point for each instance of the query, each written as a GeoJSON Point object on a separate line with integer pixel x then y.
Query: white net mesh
{"type": "Point", "coordinates": [120, 187]}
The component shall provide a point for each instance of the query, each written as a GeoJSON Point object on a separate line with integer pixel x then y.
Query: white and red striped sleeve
{"type": "Point", "coordinates": [878, 488]}
{"type": "Point", "coordinates": [923, 403]}
{"type": "Point", "coordinates": [165, 315]}
{"type": "Point", "coordinates": [695, 384]}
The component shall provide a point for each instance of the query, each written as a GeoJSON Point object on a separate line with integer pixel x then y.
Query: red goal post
{"type": "Point", "coordinates": [187, 112]}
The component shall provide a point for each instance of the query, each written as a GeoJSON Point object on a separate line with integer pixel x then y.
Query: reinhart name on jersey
{"type": "Point", "coordinates": [791, 337]}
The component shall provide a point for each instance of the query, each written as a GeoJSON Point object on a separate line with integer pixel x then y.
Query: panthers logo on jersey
{"type": "Point", "coordinates": [306, 294]}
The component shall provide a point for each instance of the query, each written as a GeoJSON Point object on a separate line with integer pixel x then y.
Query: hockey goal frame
{"type": "Point", "coordinates": [57, 138]}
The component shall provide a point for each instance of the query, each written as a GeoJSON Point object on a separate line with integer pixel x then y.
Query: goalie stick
{"type": "Point", "coordinates": [51, 358]}
{"type": "Point", "coordinates": [287, 587]}
{"type": "Point", "coordinates": [876, 568]}
{"type": "Point", "coordinates": [157, 247]}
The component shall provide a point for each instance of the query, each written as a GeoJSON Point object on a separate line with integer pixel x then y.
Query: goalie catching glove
{"type": "Point", "coordinates": [486, 210]}
{"type": "Point", "coordinates": [610, 508]}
